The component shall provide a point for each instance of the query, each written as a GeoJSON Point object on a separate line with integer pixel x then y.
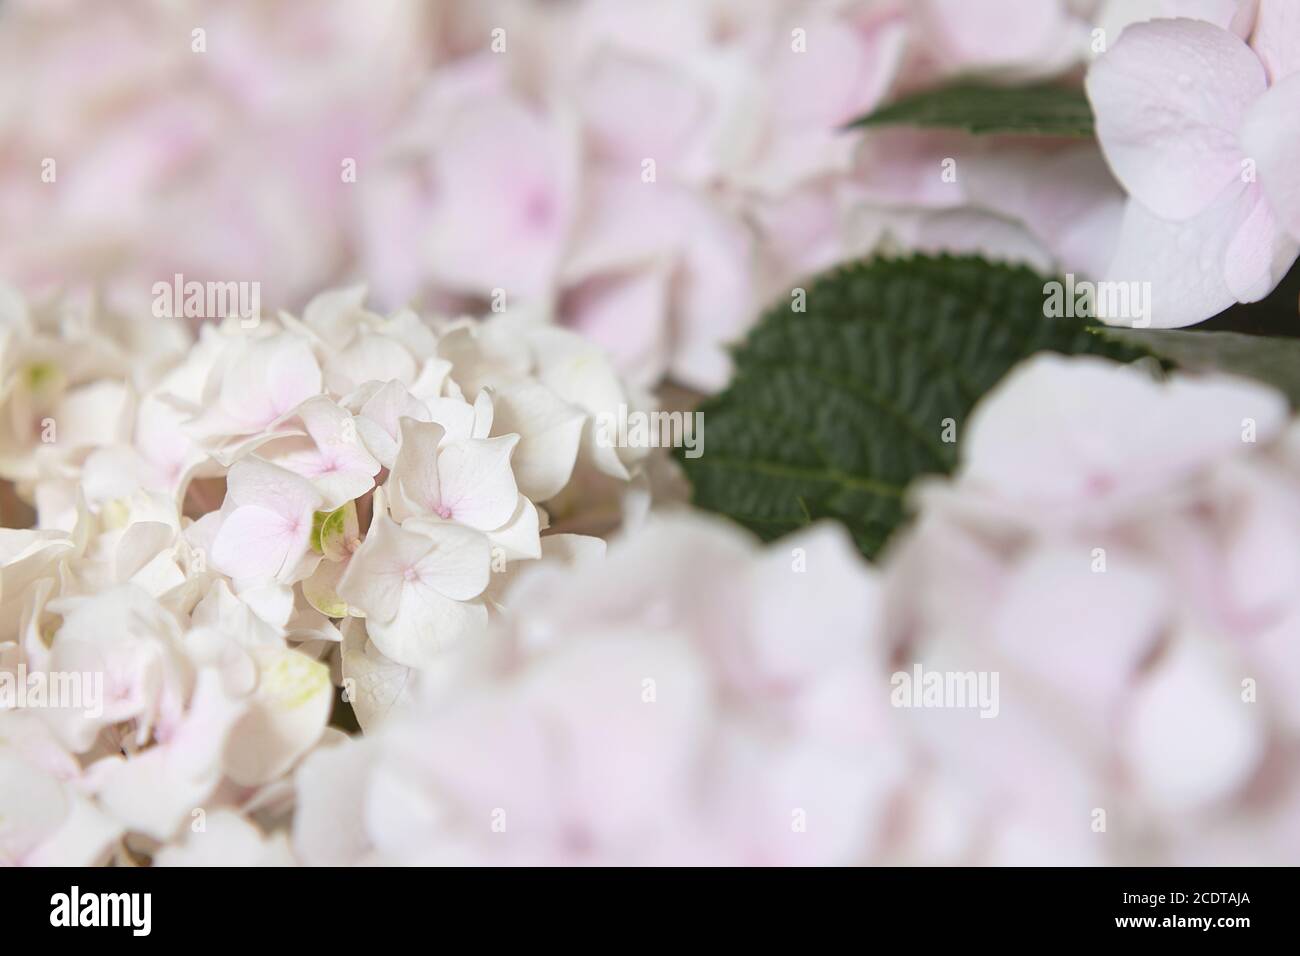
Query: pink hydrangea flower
{"type": "Point", "coordinates": [1201, 132]}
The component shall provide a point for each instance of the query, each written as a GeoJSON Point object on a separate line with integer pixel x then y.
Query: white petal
{"type": "Point", "coordinates": [375, 577]}
{"type": "Point", "coordinates": [1191, 739]}
{"type": "Point", "coordinates": [549, 430]}
{"type": "Point", "coordinates": [425, 625]}
{"type": "Point", "coordinates": [1269, 136]}
{"type": "Point", "coordinates": [414, 480]}
{"type": "Point", "coordinates": [285, 717]}
{"type": "Point", "coordinates": [255, 542]}
{"type": "Point", "coordinates": [1259, 253]}
{"type": "Point", "coordinates": [1277, 38]}
{"type": "Point", "coordinates": [1182, 263]}
{"type": "Point", "coordinates": [458, 561]}
{"type": "Point", "coordinates": [1169, 97]}
{"type": "Point", "coordinates": [377, 685]}
{"type": "Point", "coordinates": [477, 483]}
{"type": "Point", "coordinates": [520, 538]}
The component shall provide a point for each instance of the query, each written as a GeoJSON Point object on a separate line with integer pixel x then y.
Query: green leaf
{"type": "Point", "coordinates": [832, 412]}
{"type": "Point", "coordinates": [1275, 361]}
{"type": "Point", "coordinates": [1044, 110]}
{"type": "Point", "coordinates": [332, 530]}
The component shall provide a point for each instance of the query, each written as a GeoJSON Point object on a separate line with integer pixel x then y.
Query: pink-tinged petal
{"type": "Point", "coordinates": [843, 72]}
{"type": "Point", "coordinates": [1270, 136]}
{"type": "Point", "coordinates": [716, 297]}
{"type": "Point", "coordinates": [1259, 253]}
{"type": "Point", "coordinates": [1060, 433]}
{"type": "Point", "coordinates": [477, 483]}
{"type": "Point", "coordinates": [628, 316]}
{"type": "Point", "coordinates": [1275, 649]}
{"type": "Point", "coordinates": [1169, 97]}
{"type": "Point", "coordinates": [588, 699]}
{"type": "Point", "coordinates": [959, 231]}
{"type": "Point", "coordinates": [979, 38]}
{"type": "Point", "coordinates": [1183, 262]}
{"type": "Point", "coordinates": [450, 749]}
{"type": "Point", "coordinates": [1080, 633]}
{"type": "Point", "coordinates": [1190, 740]}
{"type": "Point", "coordinates": [1277, 38]}
{"type": "Point", "coordinates": [161, 439]}
{"type": "Point", "coordinates": [458, 563]}
{"type": "Point", "coordinates": [626, 224]}
{"type": "Point", "coordinates": [902, 166]}
{"type": "Point", "coordinates": [801, 234]}
{"type": "Point", "coordinates": [272, 377]}
{"type": "Point", "coordinates": [812, 94]}
{"type": "Point", "coordinates": [505, 176]}
{"type": "Point", "coordinates": [294, 375]}
{"type": "Point", "coordinates": [378, 422]}
{"type": "Point", "coordinates": [1237, 16]}
{"type": "Point", "coordinates": [256, 482]}
{"type": "Point", "coordinates": [1257, 556]}
{"type": "Point", "coordinates": [834, 580]}
{"type": "Point", "coordinates": [155, 791]}
{"type": "Point", "coordinates": [333, 459]}
{"type": "Point", "coordinates": [381, 568]}
{"type": "Point", "coordinates": [414, 481]}
{"type": "Point", "coordinates": [256, 542]}
{"type": "Point", "coordinates": [671, 108]}
{"type": "Point", "coordinates": [1065, 196]}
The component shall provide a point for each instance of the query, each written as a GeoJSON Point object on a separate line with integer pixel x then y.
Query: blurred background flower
{"type": "Point", "coordinates": [649, 174]}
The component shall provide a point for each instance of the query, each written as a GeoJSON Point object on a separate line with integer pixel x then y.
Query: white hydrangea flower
{"type": "Point", "coordinates": [210, 530]}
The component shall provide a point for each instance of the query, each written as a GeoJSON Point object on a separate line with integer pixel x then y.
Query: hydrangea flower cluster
{"type": "Point", "coordinates": [1129, 576]}
{"type": "Point", "coordinates": [204, 525]}
{"type": "Point", "coordinates": [363, 504]}
{"type": "Point", "coordinates": [647, 176]}
{"type": "Point", "coordinates": [360, 577]}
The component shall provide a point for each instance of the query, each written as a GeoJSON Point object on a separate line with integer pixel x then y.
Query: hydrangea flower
{"type": "Point", "coordinates": [1117, 571]}
{"type": "Point", "coordinates": [1200, 128]}
{"type": "Point", "coordinates": [283, 484]}
{"type": "Point", "coordinates": [455, 171]}
{"type": "Point", "coordinates": [689, 699]}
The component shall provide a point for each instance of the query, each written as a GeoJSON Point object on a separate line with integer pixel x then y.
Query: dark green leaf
{"type": "Point", "coordinates": [1265, 358]}
{"type": "Point", "coordinates": [977, 108]}
{"type": "Point", "coordinates": [832, 412]}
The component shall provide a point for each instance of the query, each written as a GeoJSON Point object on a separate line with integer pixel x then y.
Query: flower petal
{"type": "Point", "coordinates": [1169, 97]}
{"type": "Point", "coordinates": [477, 484]}
{"type": "Point", "coordinates": [1271, 138]}
{"type": "Point", "coordinates": [459, 560]}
